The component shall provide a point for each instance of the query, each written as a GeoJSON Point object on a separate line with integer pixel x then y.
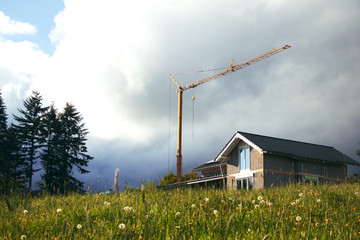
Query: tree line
{"type": "Point", "coordinates": [42, 134]}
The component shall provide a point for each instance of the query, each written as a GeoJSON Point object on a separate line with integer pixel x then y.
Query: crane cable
{"type": "Point", "coordinates": [200, 71]}
{"type": "Point", "coordinates": [169, 124]}
{"type": "Point", "coordinates": [193, 118]}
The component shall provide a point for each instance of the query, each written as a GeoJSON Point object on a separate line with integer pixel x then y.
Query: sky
{"type": "Point", "coordinates": [112, 60]}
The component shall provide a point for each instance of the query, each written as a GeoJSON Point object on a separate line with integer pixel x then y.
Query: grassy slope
{"type": "Point", "coordinates": [293, 212]}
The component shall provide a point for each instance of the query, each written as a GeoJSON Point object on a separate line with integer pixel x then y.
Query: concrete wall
{"type": "Point", "coordinates": [278, 170]}
{"type": "Point", "coordinates": [334, 171]}
{"type": "Point", "coordinates": [232, 168]}
{"type": "Point", "coordinates": [257, 164]}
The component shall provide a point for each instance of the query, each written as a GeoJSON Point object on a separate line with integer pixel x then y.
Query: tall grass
{"type": "Point", "coordinates": [292, 212]}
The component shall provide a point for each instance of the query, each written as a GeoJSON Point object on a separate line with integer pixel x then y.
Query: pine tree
{"type": "Point", "coordinates": [50, 156]}
{"type": "Point", "coordinates": [72, 148]}
{"type": "Point", "coordinates": [29, 128]}
{"type": "Point", "coordinates": [4, 161]}
{"type": "Point", "coordinates": [11, 164]}
{"type": "Point", "coordinates": [17, 168]}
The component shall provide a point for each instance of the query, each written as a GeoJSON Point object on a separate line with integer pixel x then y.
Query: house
{"type": "Point", "coordinates": [255, 161]}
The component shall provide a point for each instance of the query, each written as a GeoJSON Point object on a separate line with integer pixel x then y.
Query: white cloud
{"type": "Point", "coordinates": [9, 26]}
{"type": "Point", "coordinates": [112, 61]}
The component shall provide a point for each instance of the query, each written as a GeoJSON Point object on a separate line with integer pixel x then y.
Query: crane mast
{"type": "Point", "coordinates": [232, 68]}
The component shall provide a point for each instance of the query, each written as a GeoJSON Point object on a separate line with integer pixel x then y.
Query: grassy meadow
{"type": "Point", "coordinates": [293, 212]}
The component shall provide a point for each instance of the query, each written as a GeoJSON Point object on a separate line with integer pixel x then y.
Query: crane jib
{"type": "Point", "coordinates": [234, 68]}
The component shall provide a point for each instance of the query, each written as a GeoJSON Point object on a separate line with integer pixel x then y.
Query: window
{"type": "Point", "coordinates": [244, 158]}
{"type": "Point", "coordinates": [245, 183]}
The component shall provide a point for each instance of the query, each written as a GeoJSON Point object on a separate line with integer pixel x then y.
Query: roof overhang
{"type": "Point", "coordinates": [234, 141]}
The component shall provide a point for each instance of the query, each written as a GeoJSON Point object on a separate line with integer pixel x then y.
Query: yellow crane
{"type": "Point", "coordinates": [232, 68]}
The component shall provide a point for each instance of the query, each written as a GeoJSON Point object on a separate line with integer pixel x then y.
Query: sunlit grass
{"type": "Point", "coordinates": [293, 212]}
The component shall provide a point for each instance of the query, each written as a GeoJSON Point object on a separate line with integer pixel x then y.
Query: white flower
{"type": "Point", "coordinates": [23, 237]}
{"type": "Point", "coordinates": [262, 202]}
{"type": "Point", "coordinates": [253, 201]}
{"type": "Point", "coordinates": [177, 214]}
{"type": "Point", "coordinates": [151, 211]}
{"type": "Point", "coordinates": [298, 218]}
{"type": "Point", "coordinates": [293, 203]}
{"type": "Point", "coordinates": [268, 203]}
{"type": "Point", "coordinates": [128, 209]}
{"type": "Point", "coordinates": [301, 194]}
{"type": "Point", "coordinates": [206, 199]}
{"type": "Point", "coordinates": [318, 200]}
{"type": "Point", "coordinates": [122, 226]}
{"type": "Point", "coordinates": [106, 203]}
{"type": "Point", "coordinates": [259, 198]}
{"type": "Point", "coordinates": [193, 205]}
{"type": "Point", "coordinates": [216, 212]}
{"type": "Point", "coordinates": [58, 210]}
{"type": "Point", "coordinates": [297, 200]}
{"type": "Point", "coordinates": [257, 206]}
{"type": "Point", "coordinates": [79, 226]}
{"type": "Point", "coordinates": [25, 211]}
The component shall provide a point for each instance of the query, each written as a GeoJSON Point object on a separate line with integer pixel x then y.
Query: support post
{"type": "Point", "coordinates": [178, 155]}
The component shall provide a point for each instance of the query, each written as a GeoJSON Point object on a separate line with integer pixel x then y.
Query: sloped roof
{"type": "Point", "coordinates": [292, 148]}
{"type": "Point", "coordinates": [209, 164]}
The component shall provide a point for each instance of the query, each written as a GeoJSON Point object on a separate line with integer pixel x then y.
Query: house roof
{"type": "Point", "coordinates": [272, 145]}
{"type": "Point", "coordinates": [206, 165]}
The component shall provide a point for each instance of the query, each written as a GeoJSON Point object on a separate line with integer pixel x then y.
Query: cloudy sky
{"type": "Point", "coordinates": [112, 60]}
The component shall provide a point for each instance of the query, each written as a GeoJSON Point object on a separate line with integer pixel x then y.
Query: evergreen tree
{"type": "Point", "coordinates": [11, 165]}
{"type": "Point", "coordinates": [29, 128]}
{"type": "Point", "coordinates": [17, 167]}
{"type": "Point", "coordinates": [72, 148]}
{"type": "Point", "coordinates": [4, 161]}
{"type": "Point", "coordinates": [50, 156]}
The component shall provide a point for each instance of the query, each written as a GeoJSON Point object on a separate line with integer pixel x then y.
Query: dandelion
{"type": "Point", "coordinates": [206, 199]}
{"type": "Point", "coordinates": [79, 226]}
{"type": "Point", "coordinates": [260, 198]}
{"type": "Point", "coordinates": [151, 211]}
{"type": "Point", "coordinates": [318, 201]}
{"type": "Point", "coordinates": [25, 211]}
{"type": "Point", "coordinates": [128, 209]}
{"type": "Point", "coordinates": [193, 205]}
{"type": "Point", "coordinates": [122, 226]}
{"type": "Point", "coordinates": [253, 201]}
{"type": "Point", "coordinates": [293, 203]}
{"type": "Point", "coordinates": [262, 202]}
{"type": "Point", "coordinates": [106, 203]}
{"type": "Point", "coordinates": [298, 218]}
{"type": "Point", "coordinates": [297, 200]}
{"type": "Point", "coordinates": [257, 206]}
{"type": "Point", "coordinates": [268, 203]}
{"type": "Point", "coordinates": [177, 214]}
{"type": "Point", "coordinates": [58, 210]}
{"type": "Point", "coordinates": [301, 194]}
{"type": "Point", "coordinates": [216, 212]}
{"type": "Point", "coordinates": [23, 237]}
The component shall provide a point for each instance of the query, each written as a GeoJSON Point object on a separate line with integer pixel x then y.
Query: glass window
{"type": "Point", "coordinates": [244, 158]}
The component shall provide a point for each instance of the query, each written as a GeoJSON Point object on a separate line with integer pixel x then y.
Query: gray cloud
{"type": "Point", "coordinates": [307, 93]}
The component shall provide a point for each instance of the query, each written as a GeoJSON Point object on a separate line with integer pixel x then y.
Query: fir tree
{"type": "Point", "coordinates": [17, 168]}
{"type": "Point", "coordinates": [4, 161]}
{"type": "Point", "coordinates": [72, 148]}
{"type": "Point", "coordinates": [29, 128]}
{"type": "Point", "coordinates": [50, 156]}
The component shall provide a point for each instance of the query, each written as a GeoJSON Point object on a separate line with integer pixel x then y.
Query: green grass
{"type": "Point", "coordinates": [293, 212]}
